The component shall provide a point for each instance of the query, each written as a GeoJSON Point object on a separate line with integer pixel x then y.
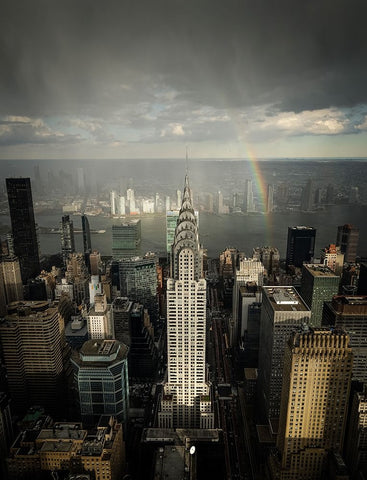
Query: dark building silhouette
{"type": "Point", "coordinates": [23, 226]}
{"type": "Point", "coordinates": [362, 280]}
{"type": "Point", "coordinates": [67, 237]}
{"type": "Point", "coordinates": [306, 198]}
{"type": "Point", "coordinates": [87, 244]}
{"type": "Point", "coordinates": [300, 245]}
{"type": "Point", "coordinates": [347, 239]}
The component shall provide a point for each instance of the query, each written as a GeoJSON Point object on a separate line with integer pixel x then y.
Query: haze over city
{"type": "Point", "coordinates": [144, 79]}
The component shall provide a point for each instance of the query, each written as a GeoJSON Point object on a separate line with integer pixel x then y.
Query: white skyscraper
{"type": "Point", "coordinates": [113, 202]}
{"type": "Point", "coordinates": [186, 399]}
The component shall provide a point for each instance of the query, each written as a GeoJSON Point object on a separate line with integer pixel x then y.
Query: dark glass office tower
{"type": "Point", "coordinates": [300, 245]}
{"type": "Point", "coordinates": [87, 244]}
{"type": "Point", "coordinates": [23, 226]}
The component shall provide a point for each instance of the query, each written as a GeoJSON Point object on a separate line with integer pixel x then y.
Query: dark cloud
{"type": "Point", "coordinates": [87, 57]}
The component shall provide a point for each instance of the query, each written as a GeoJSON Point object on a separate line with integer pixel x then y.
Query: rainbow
{"type": "Point", "coordinates": [247, 153]}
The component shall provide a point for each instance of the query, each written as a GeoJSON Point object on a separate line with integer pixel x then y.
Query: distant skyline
{"type": "Point", "coordinates": [235, 79]}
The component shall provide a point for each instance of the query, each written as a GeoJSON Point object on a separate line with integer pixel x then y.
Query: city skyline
{"type": "Point", "coordinates": [143, 80]}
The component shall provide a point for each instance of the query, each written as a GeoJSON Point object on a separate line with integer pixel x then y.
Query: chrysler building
{"type": "Point", "coordinates": [186, 400]}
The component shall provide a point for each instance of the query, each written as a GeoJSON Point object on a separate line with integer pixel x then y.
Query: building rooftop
{"type": "Point", "coordinates": [170, 463]}
{"type": "Point", "coordinates": [319, 270]}
{"type": "Point", "coordinates": [57, 446]}
{"type": "Point", "coordinates": [63, 431]}
{"type": "Point", "coordinates": [285, 299]}
{"type": "Point", "coordinates": [101, 352]}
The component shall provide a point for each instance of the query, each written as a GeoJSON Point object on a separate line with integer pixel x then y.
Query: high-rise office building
{"type": "Point", "coordinates": [347, 239]}
{"type": "Point", "coordinates": [306, 198]}
{"type": "Point", "coordinates": [121, 312]}
{"type": "Point", "coordinates": [350, 314]}
{"type": "Point", "coordinates": [248, 203]}
{"type": "Point", "coordinates": [356, 437]}
{"type": "Point", "coordinates": [186, 398]}
{"type": "Point", "coordinates": [99, 320]}
{"type": "Point", "coordinates": [282, 311]}
{"type": "Point", "coordinates": [87, 243]}
{"type": "Point", "coordinates": [126, 239]}
{"type": "Point", "coordinates": [101, 374]}
{"type": "Point", "coordinates": [113, 202]}
{"type": "Point", "coordinates": [77, 274]}
{"type": "Point", "coordinates": [300, 245]}
{"type": "Point", "coordinates": [143, 354]}
{"type": "Point", "coordinates": [138, 282]}
{"type": "Point", "coordinates": [12, 279]}
{"type": "Point", "coordinates": [250, 271]}
{"type": "Point", "coordinates": [269, 257]}
{"type": "Point", "coordinates": [318, 285]}
{"type": "Point", "coordinates": [33, 341]}
{"type": "Point", "coordinates": [269, 207]}
{"type": "Point", "coordinates": [362, 279]}
{"type": "Point", "coordinates": [330, 194]}
{"type": "Point", "coordinates": [23, 226]}
{"type": "Point", "coordinates": [316, 385]}
{"type": "Point", "coordinates": [332, 257]}
{"type": "Point", "coordinates": [95, 263]}
{"type": "Point", "coordinates": [67, 237]}
{"type": "Point", "coordinates": [6, 431]}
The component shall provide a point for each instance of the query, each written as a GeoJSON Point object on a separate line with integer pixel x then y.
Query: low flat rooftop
{"type": "Point", "coordinates": [170, 463]}
{"type": "Point", "coordinates": [320, 270]}
{"type": "Point", "coordinates": [285, 299]}
{"type": "Point", "coordinates": [57, 447]}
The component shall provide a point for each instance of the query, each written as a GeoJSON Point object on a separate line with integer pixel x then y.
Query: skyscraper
{"type": "Point", "coordinates": [282, 311]}
{"type": "Point", "coordinates": [332, 257]}
{"type": "Point", "coordinates": [250, 270]}
{"type": "Point", "coordinates": [87, 244]}
{"type": "Point", "coordinates": [186, 398]}
{"type": "Point", "coordinates": [138, 282]}
{"type": "Point", "coordinates": [319, 284]}
{"type": "Point", "coordinates": [248, 204]}
{"type": "Point", "coordinates": [269, 199]}
{"type": "Point", "coordinates": [350, 314]}
{"type": "Point", "coordinates": [316, 385]}
{"type": "Point", "coordinates": [23, 226]}
{"type": "Point", "coordinates": [101, 374]}
{"type": "Point", "coordinates": [126, 239]}
{"type": "Point", "coordinates": [32, 341]}
{"type": "Point", "coordinates": [300, 245]}
{"type": "Point", "coordinates": [11, 275]}
{"type": "Point", "coordinates": [347, 239]}
{"type": "Point", "coordinates": [67, 237]}
{"type": "Point", "coordinates": [306, 198]}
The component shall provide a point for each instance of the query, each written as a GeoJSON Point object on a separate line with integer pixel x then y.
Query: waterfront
{"type": "Point", "coordinates": [217, 232]}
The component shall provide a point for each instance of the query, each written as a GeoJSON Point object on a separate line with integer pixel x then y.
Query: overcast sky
{"type": "Point", "coordinates": [145, 78]}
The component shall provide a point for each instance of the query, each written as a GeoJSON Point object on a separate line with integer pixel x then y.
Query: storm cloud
{"type": "Point", "coordinates": [155, 70]}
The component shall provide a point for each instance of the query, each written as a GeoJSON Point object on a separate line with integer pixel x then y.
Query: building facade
{"type": "Point", "coordinates": [350, 314]}
{"type": "Point", "coordinates": [316, 386]}
{"type": "Point", "coordinates": [319, 284]}
{"type": "Point", "coordinates": [23, 226]}
{"type": "Point", "coordinates": [347, 239]}
{"type": "Point", "coordinates": [126, 239]}
{"type": "Point", "coordinates": [33, 342]}
{"type": "Point", "coordinates": [282, 311]}
{"type": "Point", "coordinates": [101, 376]}
{"type": "Point", "coordinates": [300, 245]}
{"type": "Point", "coordinates": [67, 237]}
